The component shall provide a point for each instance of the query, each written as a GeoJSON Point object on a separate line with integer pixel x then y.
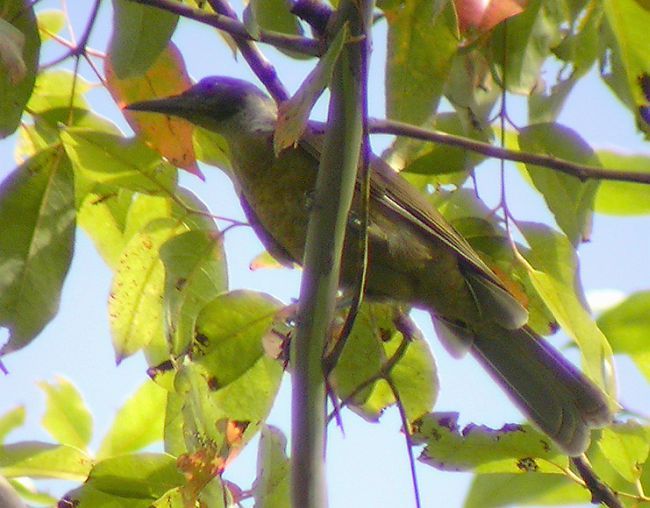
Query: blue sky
{"type": "Point", "coordinates": [368, 466]}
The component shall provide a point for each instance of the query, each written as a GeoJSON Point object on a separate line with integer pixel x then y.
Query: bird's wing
{"type": "Point", "coordinates": [389, 189]}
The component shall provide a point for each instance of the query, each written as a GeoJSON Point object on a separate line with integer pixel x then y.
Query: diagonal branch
{"type": "Point", "coordinates": [580, 171]}
{"type": "Point", "coordinates": [224, 22]}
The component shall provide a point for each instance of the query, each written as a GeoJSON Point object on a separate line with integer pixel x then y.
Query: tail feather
{"type": "Point", "coordinates": [546, 387]}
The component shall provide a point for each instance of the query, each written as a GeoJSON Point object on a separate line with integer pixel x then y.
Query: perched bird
{"type": "Point", "coordinates": [414, 256]}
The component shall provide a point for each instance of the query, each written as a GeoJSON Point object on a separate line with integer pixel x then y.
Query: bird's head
{"type": "Point", "coordinates": [218, 104]}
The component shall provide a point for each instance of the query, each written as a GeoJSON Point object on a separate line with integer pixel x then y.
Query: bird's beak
{"type": "Point", "coordinates": [176, 105]}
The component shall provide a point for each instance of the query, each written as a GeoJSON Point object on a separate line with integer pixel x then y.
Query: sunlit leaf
{"type": "Point", "coordinates": [570, 200]}
{"type": "Point", "coordinates": [495, 490]}
{"type": "Point", "coordinates": [626, 446]}
{"type": "Point", "coordinates": [140, 34]}
{"type": "Point", "coordinates": [29, 493]}
{"type": "Point", "coordinates": [623, 198]}
{"type": "Point", "coordinates": [293, 114]}
{"type": "Point", "coordinates": [271, 487]}
{"type": "Point", "coordinates": [374, 342]}
{"type": "Point", "coordinates": [552, 265]}
{"type": "Point", "coordinates": [54, 90]}
{"type": "Point", "coordinates": [135, 301]}
{"type": "Point", "coordinates": [17, 23]}
{"type": "Point", "coordinates": [50, 22]}
{"type": "Point", "coordinates": [629, 20]}
{"type": "Point", "coordinates": [170, 136]}
{"type": "Point", "coordinates": [510, 449]}
{"type": "Point", "coordinates": [231, 380]}
{"type": "Point", "coordinates": [66, 417]}
{"type": "Point", "coordinates": [144, 475]}
{"type": "Point", "coordinates": [422, 42]}
{"type": "Point", "coordinates": [627, 326]}
{"type": "Point", "coordinates": [138, 423]}
{"type": "Point", "coordinates": [195, 273]}
{"type": "Point", "coordinates": [37, 220]}
{"type": "Point", "coordinates": [44, 460]}
{"type": "Point", "coordinates": [102, 216]}
{"type": "Point", "coordinates": [11, 420]}
{"type": "Point", "coordinates": [113, 160]}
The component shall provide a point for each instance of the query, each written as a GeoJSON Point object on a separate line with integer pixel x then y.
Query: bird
{"type": "Point", "coordinates": [415, 256]}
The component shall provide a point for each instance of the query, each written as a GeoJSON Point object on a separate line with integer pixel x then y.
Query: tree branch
{"type": "Point", "coordinates": [600, 492]}
{"type": "Point", "coordinates": [262, 68]}
{"type": "Point", "coordinates": [227, 23]}
{"type": "Point", "coordinates": [580, 171]}
{"type": "Point", "coordinates": [323, 251]}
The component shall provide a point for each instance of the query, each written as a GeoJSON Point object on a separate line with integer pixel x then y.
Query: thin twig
{"type": "Point", "coordinates": [258, 63]}
{"type": "Point", "coordinates": [600, 492]}
{"type": "Point", "coordinates": [580, 171]}
{"type": "Point", "coordinates": [230, 24]}
{"type": "Point", "coordinates": [409, 442]}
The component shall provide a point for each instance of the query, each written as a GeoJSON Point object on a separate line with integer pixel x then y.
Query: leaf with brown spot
{"type": "Point", "coordinates": [171, 137]}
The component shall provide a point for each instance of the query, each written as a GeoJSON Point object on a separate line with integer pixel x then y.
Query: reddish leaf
{"type": "Point", "coordinates": [483, 15]}
{"type": "Point", "coordinates": [171, 137]}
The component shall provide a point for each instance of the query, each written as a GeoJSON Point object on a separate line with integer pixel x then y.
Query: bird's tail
{"type": "Point", "coordinates": [546, 387]}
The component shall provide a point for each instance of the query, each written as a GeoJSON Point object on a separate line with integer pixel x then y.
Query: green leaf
{"type": "Point", "coordinates": [232, 327]}
{"type": "Point", "coordinates": [494, 490]}
{"type": "Point", "coordinates": [138, 423]}
{"type": "Point", "coordinates": [374, 342]}
{"type": "Point", "coordinates": [137, 476]}
{"type": "Point", "coordinates": [66, 418]}
{"type": "Point", "coordinates": [272, 15]}
{"type": "Point", "coordinates": [271, 487]}
{"type": "Point", "coordinates": [140, 34]}
{"type": "Point", "coordinates": [45, 131]}
{"type": "Point", "coordinates": [135, 302]}
{"type": "Point", "coordinates": [195, 273]}
{"type": "Point", "coordinates": [11, 420]}
{"type": "Point", "coordinates": [113, 160]}
{"type": "Point", "coordinates": [552, 265]}
{"type": "Point", "coordinates": [50, 22]}
{"type": "Point", "coordinates": [570, 201]}
{"type": "Point", "coordinates": [422, 41]}
{"type": "Point", "coordinates": [88, 497]}
{"type": "Point", "coordinates": [230, 380]}
{"type": "Point", "coordinates": [629, 21]}
{"type": "Point", "coordinates": [527, 40]}
{"type": "Point", "coordinates": [17, 22]}
{"type": "Point", "coordinates": [37, 220]}
{"type": "Point", "coordinates": [44, 460]}
{"type": "Point", "coordinates": [102, 216]}
{"type": "Point", "coordinates": [622, 198]}
{"type": "Point", "coordinates": [580, 49]}
{"type": "Point", "coordinates": [627, 327]}
{"type": "Point", "coordinates": [511, 449]}
{"type": "Point", "coordinates": [446, 164]}
{"type": "Point", "coordinates": [293, 114]}
{"type": "Point", "coordinates": [54, 90]}
{"type": "Point", "coordinates": [626, 446]}
{"type": "Point", "coordinates": [30, 494]}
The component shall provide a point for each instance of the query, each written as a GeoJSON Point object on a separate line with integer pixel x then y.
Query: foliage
{"type": "Point", "coordinates": [217, 355]}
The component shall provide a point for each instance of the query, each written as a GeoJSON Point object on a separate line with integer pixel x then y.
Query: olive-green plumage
{"type": "Point", "coordinates": [414, 256]}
